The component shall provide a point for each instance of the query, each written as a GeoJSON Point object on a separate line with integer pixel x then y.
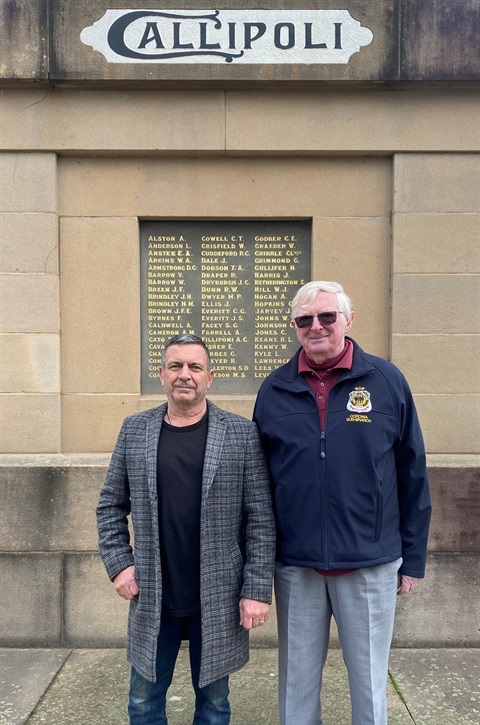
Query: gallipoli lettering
{"type": "Point", "coordinates": [218, 36]}
{"type": "Point", "coordinates": [231, 283]}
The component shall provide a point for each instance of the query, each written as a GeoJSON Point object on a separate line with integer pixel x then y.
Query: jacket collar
{"type": "Point", "coordinates": [217, 429]}
{"type": "Point", "coordinates": [215, 437]}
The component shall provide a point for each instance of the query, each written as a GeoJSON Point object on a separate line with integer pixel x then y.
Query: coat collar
{"type": "Point", "coordinates": [216, 433]}
{"type": "Point", "coordinates": [217, 429]}
{"type": "Point", "coordinates": [154, 426]}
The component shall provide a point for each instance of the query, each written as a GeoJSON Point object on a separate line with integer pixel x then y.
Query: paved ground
{"type": "Point", "coordinates": [89, 687]}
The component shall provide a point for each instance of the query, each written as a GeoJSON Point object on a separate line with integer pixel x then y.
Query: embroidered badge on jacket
{"type": "Point", "coordinates": [359, 401]}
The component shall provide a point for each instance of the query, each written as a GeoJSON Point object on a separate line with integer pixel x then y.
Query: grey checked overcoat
{"type": "Point", "coordinates": [237, 535]}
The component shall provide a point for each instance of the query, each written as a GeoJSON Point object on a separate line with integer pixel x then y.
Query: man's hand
{"type": "Point", "coordinates": [125, 583]}
{"type": "Point", "coordinates": [406, 584]}
{"type": "Point", "coordinates": [252, 613]}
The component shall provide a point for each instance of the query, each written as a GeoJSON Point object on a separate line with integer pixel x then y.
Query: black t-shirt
{"type": "Point", "coordinates": [181, 452]}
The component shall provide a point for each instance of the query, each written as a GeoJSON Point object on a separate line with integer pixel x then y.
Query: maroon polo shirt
{"type": "Point", "coordinates": [321, 378]}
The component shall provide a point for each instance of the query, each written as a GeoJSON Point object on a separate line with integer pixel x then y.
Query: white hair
{"type": "Point", "coordinates": [306, 295]}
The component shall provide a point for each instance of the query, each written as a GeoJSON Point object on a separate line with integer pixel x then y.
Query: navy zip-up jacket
{"type": "Point", "coordinates": [356, 494]}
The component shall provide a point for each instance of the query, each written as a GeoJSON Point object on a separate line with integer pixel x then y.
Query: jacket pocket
{"type": "Point", "coordinates": [379, 514]}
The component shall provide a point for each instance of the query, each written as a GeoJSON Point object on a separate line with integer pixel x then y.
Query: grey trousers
{"type": "Point", "coordinates": [363, 606]}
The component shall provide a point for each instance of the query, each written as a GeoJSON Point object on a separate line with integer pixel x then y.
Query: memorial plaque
{"type": "Point", "coordinates": [230, 283]}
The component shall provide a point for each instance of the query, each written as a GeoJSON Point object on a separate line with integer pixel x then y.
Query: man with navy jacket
{"type": "Point", "coordinates": [347, 462]}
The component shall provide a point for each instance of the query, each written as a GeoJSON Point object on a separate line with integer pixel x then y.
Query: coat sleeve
{"type": "Point", "coordinates": [413, 489]}
{"type": "Point", "coordinates": [259, 524]}
{"type": "Point", "coordinates": [113, 510]}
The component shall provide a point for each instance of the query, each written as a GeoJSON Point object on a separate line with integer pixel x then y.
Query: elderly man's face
{"type": "Point", "coordinates": [322, 342]}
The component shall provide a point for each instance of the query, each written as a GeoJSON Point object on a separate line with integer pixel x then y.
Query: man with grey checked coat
{"type": "Point", "coordinates": [194, 481]}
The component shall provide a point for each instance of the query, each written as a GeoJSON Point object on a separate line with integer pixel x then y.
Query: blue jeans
{"type": "Point", "coordinates": [146, 705]}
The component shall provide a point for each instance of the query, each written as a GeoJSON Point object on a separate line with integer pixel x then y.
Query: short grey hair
{"type": "Point", "coordinates": [307, 294]}
{"type": "Point", "coordinates": [186, 340]}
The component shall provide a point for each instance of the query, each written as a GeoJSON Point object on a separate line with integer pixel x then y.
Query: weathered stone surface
{"type": "Point", "coordinates": [31, 600]}
{"type": "Point", "coordinates": [422, 358]}
{"type": "Point", "coordinates": [455, 509]}
{"type": "Point", "coordinates": [445, 243]}
{"type": "Point", "coordinates": [450, 423]}
{"type": "Point", "coordinates": [24, 33]}
{"type": "Point", "coordinates": [438, 685]}
{"type": "Point", "coordinates": [99, 305]}
{"type": "Point", "coordinates": [25, 675]}
{"type": "Point", "coordinates": [94, 614]}
{"type": "Point", "coordinates": [353, 241]}
{"type": "Point", "coordinates": [115, 120]}
{"type": "Point", "coordinates": [88, 687]}
{"type": "Point", "coordinates": [436, 183]}
{"type": "Point", "coordinates": [91, 423]}
{"type": "Point", "coordinates": [29, 363]}
{"type": "Point", "coordinates": [49, 509]}
{"type": "Point", "coordinates": [92, 688]}
{"type": "Point", "coordinates": [432, 304]}
{"type": "Point", "coordinates": [31, 423]}
{"type": "Point", "coordinates": [439, 40]}
{"type": "Point", "coordinates": [28, 182]}
{"type": "Point", "coordinates": [198, 187]}
{"type": "Point", "coordinates": [316, 123]}
{"type": "Point", "coordinates": [445, 607]}
{"type": "Point", "coordinates": [29, 241]}
{"type": "Point", "coordinates": [29, 303]}
{"type": "Point", "coordinates": [292, 122]}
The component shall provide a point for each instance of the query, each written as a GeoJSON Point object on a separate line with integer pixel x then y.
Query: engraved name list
{"type": "Point", "coordinates": [229, 282]}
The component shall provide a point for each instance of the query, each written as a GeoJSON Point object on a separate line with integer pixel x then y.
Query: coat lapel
{"type": "Point", "coordinates": [154, 426]}
{"type": "Point", "coordinates": [217, 429]}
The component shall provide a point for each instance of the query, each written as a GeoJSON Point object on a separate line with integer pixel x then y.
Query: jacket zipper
{"type": "Point", "coordinates": [323, 455]}
{"type": "Point", "coordinates": [325, 493]}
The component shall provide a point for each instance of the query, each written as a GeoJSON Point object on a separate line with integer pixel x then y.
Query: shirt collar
{"type": "Point", "coordinates": [343, 360]}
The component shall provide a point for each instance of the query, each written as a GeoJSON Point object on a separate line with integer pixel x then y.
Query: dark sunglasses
{"type": "Point", "coordinates": [324, 318]}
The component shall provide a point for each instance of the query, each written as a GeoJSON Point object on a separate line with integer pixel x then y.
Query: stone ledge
{"type": "Point", "coordinates": [71, 460]}
{"type": "Point", "coordinates": [55, 460]}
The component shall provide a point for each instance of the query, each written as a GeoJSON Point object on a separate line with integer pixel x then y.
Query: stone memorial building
{"type": "Point", "coordinates": [169, 166]}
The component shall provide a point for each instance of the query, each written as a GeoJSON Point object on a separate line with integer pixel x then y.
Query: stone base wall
{"type": "Point", "coordinates": [56, 592]}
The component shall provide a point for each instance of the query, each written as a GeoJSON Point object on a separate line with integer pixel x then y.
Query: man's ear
{"type": "Point", "coordinates": [350, 321]}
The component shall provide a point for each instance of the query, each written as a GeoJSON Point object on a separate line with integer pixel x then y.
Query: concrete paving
{"type": "Point", "coordinates": [90, 687]}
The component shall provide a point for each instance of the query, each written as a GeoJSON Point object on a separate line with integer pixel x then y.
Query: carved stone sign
{"type": "Point", "coordinates": [229, 282]}
{"type": "Point", "coordinates": [219, 36]}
